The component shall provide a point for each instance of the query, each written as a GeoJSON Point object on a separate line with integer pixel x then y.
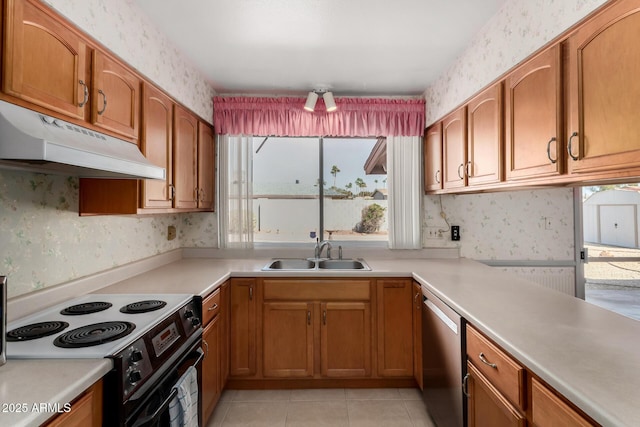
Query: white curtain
{"type": "Point", "coordinates": [236, 191]}
{"type": "Point", "coordinates": [404, 179]}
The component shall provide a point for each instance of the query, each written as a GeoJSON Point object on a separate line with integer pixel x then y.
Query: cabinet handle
{"type": "Point", "coordinates": [324, 317]}
{"type": "Point", "coordinates": [465, 385]}
{"type": "Point", "coordinates": [468, 169]}
{"type": "Point", "coordinates": [250, 293]}
{"type": "Point", "coordinates": [415, 298]}
{"type": "Point", "coordinates": [569, 146]}
{"type": "Point", "coordinates": [437, 176]}
{"type": "Point", "coordinates": [206, 348]}
{"type": "Point", "coordinates": [195, 194]}
{"type": "Point", "coordinates": [104, 102]}
{"type": "Point", "coordinates": [459, 167]}
{"type": "Point", "coordinates": [309, 317]}
{"type": "Point", "coordinates": [86, 94]}
{"type": "Point", "coordinates": [201, 195]}
{"type": "Point", "coordinates": [549, 150]}
{"type": "Point", "coordinates": [215, 306]}
{"type": "Point", "coordinates": [486, 362]}
{"type": "Point", "coordinates": [172, 192]}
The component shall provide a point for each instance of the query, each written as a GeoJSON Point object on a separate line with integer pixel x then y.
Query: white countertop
{"type": "Point", "coordinates": [590, 355]}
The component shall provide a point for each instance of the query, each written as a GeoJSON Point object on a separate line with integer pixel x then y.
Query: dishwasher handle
{"type": "Point", "coordinates": [441, 315]}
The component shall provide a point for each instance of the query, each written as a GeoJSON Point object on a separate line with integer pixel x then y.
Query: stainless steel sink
{"type": "Point", "coordinates": [343, 264]}
{"type": "Point", "coordinates": [290, 264]}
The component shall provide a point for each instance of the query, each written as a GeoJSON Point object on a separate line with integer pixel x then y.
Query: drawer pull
{"type": "Point", "coordinates": [465, 385]}
{"type": "Point", "coordinates": [486, 362]}
{"type": "Point", "coordinates": [214, 307]}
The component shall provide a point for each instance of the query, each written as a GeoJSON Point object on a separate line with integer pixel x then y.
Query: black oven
{"type": "Point", "coordinates": [149, 405]}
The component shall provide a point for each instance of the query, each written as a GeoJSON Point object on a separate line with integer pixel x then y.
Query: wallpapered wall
{"type": "Point", "coordinates": [520, 28]}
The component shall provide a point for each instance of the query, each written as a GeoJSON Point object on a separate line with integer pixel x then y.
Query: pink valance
{"type": "Point", "coordinates": [355, 117]}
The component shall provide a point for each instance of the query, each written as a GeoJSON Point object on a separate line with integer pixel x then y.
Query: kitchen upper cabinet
{"type": "Point", "coordinates": [433, 158]}
{"type": "Point", "coordinates": [454, 149]}
{"type": "Point", "coordinates": [242, 340]}
{"type": "Point", "coordinates": [287, 339]}
{"type": "Point", "coordinates": [157, 146]}
{"type": "Point", "coordinates": [534, 121]}
{"type": "Point", "coordinates": [603, 130]}
{"type": "Point", "coordinates": [484, 137]}
{"type": "Point", "coordinates": [115, 98]}
{"type": "Point", "coordinates": [417, 334]}
{"type": "Point", "coordinates": [206, 167]}
{"type": "Point", "coordinates": [395, 327]}
{"type": "Point", "coordinates": [185, 153]}
{"type": "Point", "coordinates": [45, 62]}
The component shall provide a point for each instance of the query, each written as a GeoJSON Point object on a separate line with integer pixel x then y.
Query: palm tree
{"type": "Point", "coordinates": [334, 171]}
{"type": "Point", "coordinates": [360, 184]}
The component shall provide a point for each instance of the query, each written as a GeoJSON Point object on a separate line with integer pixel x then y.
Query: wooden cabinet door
{"type": "Point", "coordinates": [224, 333]}
{"type": "Point", "coordinates": [534, 122]}
{"type": "Point", "coordinates": [345, 339]}
{"type": "Point", "coordinates": [395, 319]}
{"type": "Point", "coordinates": [115, 96]}
{"type": "Point", "coordinates": [486, 406]}
{"type": "Point", "coordinates": [242, 341]}
{"type": "Point", "coordinates": [548, 410]}
{"type": "Point", "coordinates": [206, 167]}
{"type": "Point", "coordinates": [86, 411]}
{"type": "Point", "coordinates": [185, 155]}
{"type": "Point", "coordinates": [433, 158]}
{"type": "Point", "coordinates": [287, 330]}
{"type": "Point", "coordinates": [211, 381]}
{"type": "Point", "coordinates": [604, 59]}
{"type": "Point", "coordinates": [44, 62]}
{"type": "Point", "coordinates": [417, 333]}
{"type": "Point", "coordinates": [157, 145]}
{"type": "Point", "coordinates": [454, 149]}
{"type": "Point", "coordinates": [484, 137]}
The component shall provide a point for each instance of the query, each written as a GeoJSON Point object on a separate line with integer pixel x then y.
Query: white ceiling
{"type": "Point", "coordinates": [352, 47]}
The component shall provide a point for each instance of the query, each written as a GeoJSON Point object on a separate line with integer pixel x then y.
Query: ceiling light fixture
{"type": "Point", "coordinates": [312, 98]}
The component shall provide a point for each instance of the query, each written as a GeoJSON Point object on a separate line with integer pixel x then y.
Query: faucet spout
{"type": "Point", "coordinates": [320, 247]}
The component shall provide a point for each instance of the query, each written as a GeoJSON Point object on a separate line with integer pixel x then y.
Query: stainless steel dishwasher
{"type": "Point", "coordinates": [443, 350]}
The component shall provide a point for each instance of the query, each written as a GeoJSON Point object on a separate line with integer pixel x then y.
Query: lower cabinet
{"type": "Point", "coordinates": [549, 410]}
{"type": "Point", "coordinates": [417, 334]}
{"type": "Point", "coordinates": [86, 411]}
{"type": "Point", "coordinates": [242, 327]}
{"type": "Point", "coordinates": [395, 320]}
{"type": "Point", "coordinates": [487, 406]}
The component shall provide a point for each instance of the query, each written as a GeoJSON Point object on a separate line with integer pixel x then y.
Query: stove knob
{"type": "Point", "coordinates": [195, 322]}
{"type": "Point", "coordinates": [135, 376]}
{"type": "Point", "coordinates": [188, 314]}
{"type": "Point", "coordinates": [136, 356]}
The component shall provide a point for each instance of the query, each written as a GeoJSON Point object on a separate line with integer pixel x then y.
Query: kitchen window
{"type": "Point", "coordinates": [308, 188]}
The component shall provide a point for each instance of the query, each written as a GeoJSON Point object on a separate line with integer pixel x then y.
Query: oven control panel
{"type": "Point", "coordinates": [190, 316]}
{"type": "Point", "coordinates": [162, 341]}
{"type": "Point", "coordinates": [136, 365]}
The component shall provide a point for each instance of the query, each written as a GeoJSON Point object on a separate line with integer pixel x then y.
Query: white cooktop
{"type": "Point", "coordinates": [43, 348]}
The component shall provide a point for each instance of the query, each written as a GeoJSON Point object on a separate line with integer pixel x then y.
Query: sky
{"type": "Point", "coordinates": [291, 159]}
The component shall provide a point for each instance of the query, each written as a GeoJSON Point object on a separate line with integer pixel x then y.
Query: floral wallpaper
{"type": "Point", "coordinates": [46, 242]}
{"type": "Point", "coordinates": [506, 225]}
{"type": "Point", "coordinates": [126, 31]}
{"type": "Point", "coordinates": [517, 30]}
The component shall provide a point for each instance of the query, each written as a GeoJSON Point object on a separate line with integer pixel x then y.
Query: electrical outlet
{"type": "Point", "coordinates": [171, 232]}
{"type": "Point", "coordinates": [434, 233]}
{"type": "Point", "coordinates": [455, 232]}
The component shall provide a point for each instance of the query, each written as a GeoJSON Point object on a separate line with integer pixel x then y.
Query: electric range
{"type": "Point", "coordinates": [150, 338]}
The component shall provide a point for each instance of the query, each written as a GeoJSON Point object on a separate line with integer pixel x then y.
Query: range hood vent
{"type": "Point", "coordinates": [36, 142]}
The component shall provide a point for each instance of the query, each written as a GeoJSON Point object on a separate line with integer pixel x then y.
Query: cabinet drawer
{"type": "Point", "coordinates": [547, 409]}
{"type": "Point", "coordinates": [210, 307]}
{"type": "Point", "coordinates": [317, 289]}
{"type": "Point", "coordinates": [500, 369]}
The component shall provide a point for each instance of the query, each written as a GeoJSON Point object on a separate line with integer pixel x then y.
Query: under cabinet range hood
{"type": "Point", "coordinates": [33, 141]}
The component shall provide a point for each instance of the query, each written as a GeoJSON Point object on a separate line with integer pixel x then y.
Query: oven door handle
{"type": "Point", "coordinates": [174, 392]}
{"type": "Point", "coordinates": [153, 417]}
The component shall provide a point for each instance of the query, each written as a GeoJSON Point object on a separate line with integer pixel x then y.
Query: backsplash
{"type": "Point", "coordinates": [122, 28]}
{"type": "Point", "coordinates": [506, 225]}
{"type": "Point", "coordinates": [520, 28]}
{"type": "Point", "coordinates": [45, 242]}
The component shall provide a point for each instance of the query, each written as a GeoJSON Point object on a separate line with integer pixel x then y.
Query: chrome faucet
{"type": "Point", "coordinates": [319, 248]}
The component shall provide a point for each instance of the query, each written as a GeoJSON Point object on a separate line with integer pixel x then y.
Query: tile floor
{"type": "Point", "coordinates": [321, 407]}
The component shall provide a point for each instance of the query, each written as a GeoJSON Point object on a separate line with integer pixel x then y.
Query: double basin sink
{"type": "Point", "coordinates": [289, 264]}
